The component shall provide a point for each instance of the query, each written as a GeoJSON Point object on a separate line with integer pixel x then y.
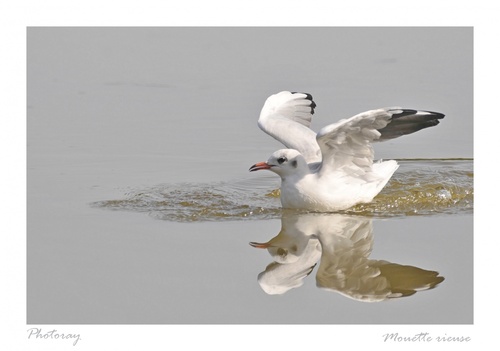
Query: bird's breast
{"type": "Point", "coordinates": [299, 193]}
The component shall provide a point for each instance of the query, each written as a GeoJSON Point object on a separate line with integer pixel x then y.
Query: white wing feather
{"type": "Point", "coordinates": [287, 117]}
{"type": "Point", "coordinates": [346, 145]}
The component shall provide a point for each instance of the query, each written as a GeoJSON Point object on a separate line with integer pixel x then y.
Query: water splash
{"type": "Point", "coordinates": [419, 187]}
{"type": "Point", "coordinates": [438, 187]}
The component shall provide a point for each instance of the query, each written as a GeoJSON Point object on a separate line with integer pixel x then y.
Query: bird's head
{"type": "Point", "coordinates": [284, 162]}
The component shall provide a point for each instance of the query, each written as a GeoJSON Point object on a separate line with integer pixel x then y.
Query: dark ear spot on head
{"type": "Point", "coordinates": [294, 163]}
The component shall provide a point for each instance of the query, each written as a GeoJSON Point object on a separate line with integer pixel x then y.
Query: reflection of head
{"type": "Point", "coordinates": [278, 278]}
{"type": "Point", "coordinates": [342, 244]}
{"type": "Point", "coordinates": [291, 242]}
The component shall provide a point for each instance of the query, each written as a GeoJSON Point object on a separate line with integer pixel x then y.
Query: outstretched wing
{"type": "Point", "coordinates": [347, 144]}
{"type": "Point", "coordinates": [406, 121]}
{"type": "Point", "coordinates": [287, 116]}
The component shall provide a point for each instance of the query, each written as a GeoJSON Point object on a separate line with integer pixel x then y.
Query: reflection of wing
{"type": "Point", "coordinates": [373, 281]}
{"type": "Point", "coordinates": [343, 245]}
{"type": "Point", "coordinates": [406, 280]}
{"type": "Point", "coordinates": [346, 145]}
{"type": "Point", "coordinates": [287, 117]}
{"type": "Point", "coordinates": [278, 278]}
{"type": "Point", "coordinates": [295, 253]}
{"type": "Point", "coordinates": [346, 269]}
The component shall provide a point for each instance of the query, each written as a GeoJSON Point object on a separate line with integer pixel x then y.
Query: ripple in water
{"type": "Point", "coordinates": [419, 187]}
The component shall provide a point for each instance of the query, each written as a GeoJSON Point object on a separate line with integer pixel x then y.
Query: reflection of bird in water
{"type": "Point", "coordinates": [333, 169]}
{"type": "Point", "coordinates": [342, 244]}
{"type": "Point", "coordinates": [295, 254]}
{"type": "Point", "coordinates": [278, 278]}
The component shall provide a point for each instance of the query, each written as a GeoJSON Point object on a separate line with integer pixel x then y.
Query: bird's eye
{"type": "Point", "coordinates": [282, 159]}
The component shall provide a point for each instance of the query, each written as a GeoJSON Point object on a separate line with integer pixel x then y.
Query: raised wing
{"type": "Point", "coordinates": [406, 121]}
{"type": "Point", "coordinates": [287, 116]}
{"type": "Point", "coordinates": [347, 144]}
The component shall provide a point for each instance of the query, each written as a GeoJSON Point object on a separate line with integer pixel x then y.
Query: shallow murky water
{"type": "Point", "coordinates": [335, 247]}
{"type": "Point", "coordinates": [419, 187]}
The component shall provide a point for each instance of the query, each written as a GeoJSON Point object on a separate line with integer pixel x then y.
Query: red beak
{"type": "Point", "coordinates": [260, 245]}
{"type": "Point", "coordinates": [259, 166]}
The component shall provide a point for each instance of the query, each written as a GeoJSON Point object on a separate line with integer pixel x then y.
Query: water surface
{"type": "Point", "coordinates": [419, 187]}
{"type": "Point", "coordinates": [141, 208]}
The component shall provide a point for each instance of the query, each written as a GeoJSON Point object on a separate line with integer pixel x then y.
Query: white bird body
{"type": "Point", "coordinates": [333, 169]}
{"type": "Point", "coordinates": [333, 191]}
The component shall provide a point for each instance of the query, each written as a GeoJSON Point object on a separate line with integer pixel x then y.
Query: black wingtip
{"type": "Point", "coordinates": [308, 97]}
{"type": "Point", "coordinates": [408, 121]}
{"type": "Point", "coordinates": [437, 115]}
{"type": "Point", "coordinates": [410, 112]}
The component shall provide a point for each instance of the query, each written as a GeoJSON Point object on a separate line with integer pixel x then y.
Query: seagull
{"type": "Point", "coordinates": [332, 170]}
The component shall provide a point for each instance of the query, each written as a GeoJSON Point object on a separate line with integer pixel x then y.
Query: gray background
{"type": "Point", "coordinates": [114, 109]}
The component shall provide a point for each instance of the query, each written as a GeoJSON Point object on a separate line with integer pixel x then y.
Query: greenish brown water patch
{"type": "Point", "coordinates": [419, 187]}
